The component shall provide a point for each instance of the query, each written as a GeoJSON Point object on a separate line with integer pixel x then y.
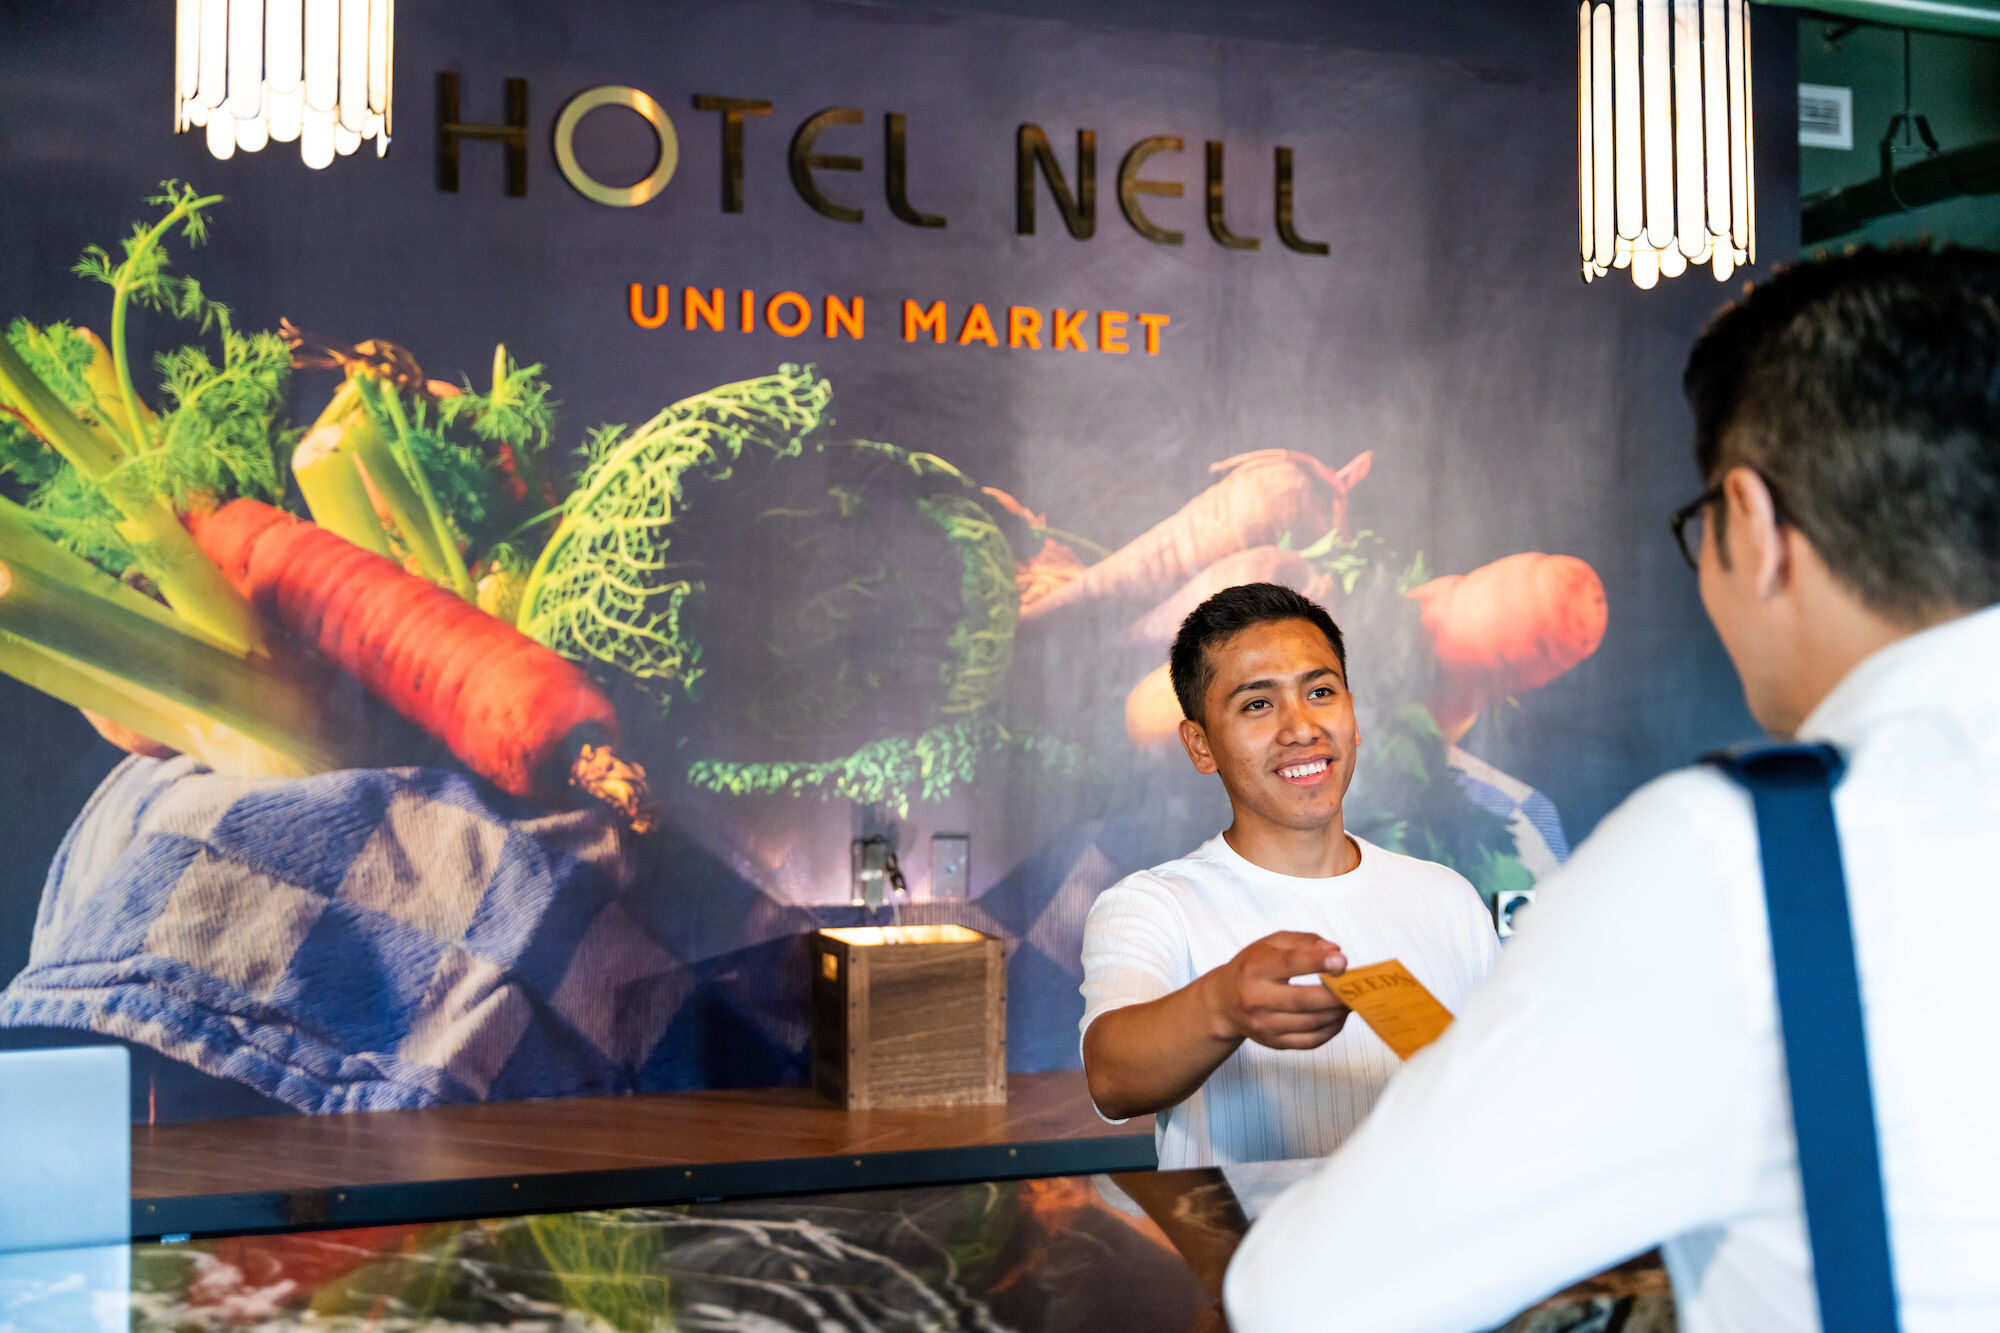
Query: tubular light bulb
{"type": "Point", "coordinates": [1715, 114]}
{"type": "Point", "coordinates": [1585, 192]}
{"type": "Point", "coordinates": [187, 58]}
{"type": "Point", "coordinates": [211, 84]}
{"type": "Point", "coordinates": [1625, 111]}
{"type": "Point", "coordinates": [354, 65]}
{"type": "Point", "coordinates": [222, 133]}
{"type": "Point", "coordinates": [316, 141]}
{"type": "Point", "coordinates": [252, 133]}
{"type": "Point", "coordinates": [284, 44]}
{"type": "Point", "coordinates": [1749, 146]}
{"type": "Point", "coordinates": [388, 83]}
{"type": "Point", "coordinates": [1659, 126]}
{"type": "Point", "coordinates": [322, 54]}
{"type": "Point", "coordinates": [379, 14]}
{"type": "Point", "coordinates": [287, 112]}
{"type": "Point", "coordinates": [1739, 133]}
{"type": "Point", "coordinates": [1690, 218]}
{"type": "Point", "coordinates": [1602, 168]}
{"type": "Point", "coordinates": [1645, 269]}
{"type": "Point", "coordinates": [245, 75]}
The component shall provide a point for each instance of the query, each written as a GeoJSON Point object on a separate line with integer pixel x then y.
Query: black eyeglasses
{"type": "Point", "coordinates": [1686, 522]}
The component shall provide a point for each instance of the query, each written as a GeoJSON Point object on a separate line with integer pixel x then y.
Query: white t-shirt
{"type": "Point", "coordinates": [1154, 932]}
{"type": "Point", "coordinates": [1620, 1082]}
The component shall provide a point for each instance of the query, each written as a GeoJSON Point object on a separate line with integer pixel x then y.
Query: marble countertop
{"type": "Point", "coordinates": [1142, 1252]}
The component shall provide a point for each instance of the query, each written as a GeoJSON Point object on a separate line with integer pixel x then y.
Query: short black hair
{"type": "Point", "coordinates": [1230, 612]}
{"type": "Point", "coordinates": [1865, 390]}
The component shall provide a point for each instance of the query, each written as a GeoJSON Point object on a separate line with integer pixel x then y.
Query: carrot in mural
{"type": "Point", "coordinates": [1506, 628]}
{"type": "Point", "coordinates": [1153, 710]}
{"type": "Point", "coordinates": [1259, 564]}
{"type": "Point", "coordinates": [517, 714]}
{"type": "Point", "coordinates": [1266, 495]}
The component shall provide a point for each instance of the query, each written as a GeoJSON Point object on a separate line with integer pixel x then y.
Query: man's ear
{"type": "Point", "coordinates": [1195, 741]}
{"type": "Point", "coordinates": [1755, 535]}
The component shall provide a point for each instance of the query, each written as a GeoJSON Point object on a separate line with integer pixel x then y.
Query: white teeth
{"type": "Point", "coordinates": [1303, 770]}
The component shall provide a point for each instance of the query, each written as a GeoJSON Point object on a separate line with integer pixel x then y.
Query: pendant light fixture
{"type": "Point", "coordinates": [1665, 171]}
{"type": "Point", "coordinates": [318, 71]}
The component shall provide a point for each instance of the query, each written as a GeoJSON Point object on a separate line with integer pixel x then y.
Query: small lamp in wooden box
{"type": "Point", "coordinates": [909, 1016]}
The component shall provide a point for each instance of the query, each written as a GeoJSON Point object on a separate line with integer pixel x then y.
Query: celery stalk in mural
{"type": "Point", "coordinates": [153, 494]}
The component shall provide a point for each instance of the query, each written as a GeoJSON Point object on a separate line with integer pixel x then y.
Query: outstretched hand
{"type": "Point", "coordinates": [1251, 996]}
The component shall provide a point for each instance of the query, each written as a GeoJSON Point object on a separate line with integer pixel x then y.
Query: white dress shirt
{"type": "Point", "coordinates": [1619, 1082]}
{"type": "Point", "coordinates": [1154, 932]}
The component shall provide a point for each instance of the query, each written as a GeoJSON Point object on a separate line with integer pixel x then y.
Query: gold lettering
{"type": "Point", "coordinates": [666, 158]}
{"type": "Point", "coordinates": [1130, 187]}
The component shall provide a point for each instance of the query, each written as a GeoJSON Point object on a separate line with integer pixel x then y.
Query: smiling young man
{"type": "Point", "coordinates": [1200, 999]}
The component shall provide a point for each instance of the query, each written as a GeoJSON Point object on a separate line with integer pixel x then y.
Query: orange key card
{"type": "Point", "coordinates": [1404, 1015]}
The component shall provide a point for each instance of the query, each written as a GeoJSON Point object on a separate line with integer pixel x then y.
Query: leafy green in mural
{"type": "Point", "coordinates": [981, 645]}
{"type": "Point", "coordinates": [894, 770]}
{"type": "Point", "coordinates": [604, 590]}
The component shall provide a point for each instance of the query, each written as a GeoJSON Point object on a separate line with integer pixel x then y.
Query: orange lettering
{"type": "Point", "coordinates": [1154, 323]}
{"type": "Point", "coordinates": [1111, 331]}
{"type": "Point", "coordinates": [1024, 326]}
{"type": "Point", "coordinates": [978, 327]}
{"type": "Point", "coordinates": [747, 310]}
{"type": "Point", "coordinates": [791, 328]}
{"type": "Point", "coordinates": [1069, 330]}
{"type": "Point", "coordinates": [710, 311]}
{"type": "Point", "coordinates": [637, 305]}
{"type": "Point", "coordinates": [931, 320]}
{"type": "Point", "coordinates": [839, 316]}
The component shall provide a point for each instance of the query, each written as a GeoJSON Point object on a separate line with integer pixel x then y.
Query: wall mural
{"type": "Point", "coordinates": [500, 660]}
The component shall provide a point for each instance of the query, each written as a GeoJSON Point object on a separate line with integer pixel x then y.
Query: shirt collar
{"type": "Point", "coordinates": [1944, 669]}
{"type": "Point", "coordinates": [1246, 868]}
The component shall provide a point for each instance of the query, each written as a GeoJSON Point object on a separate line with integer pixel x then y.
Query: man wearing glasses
{"type": "Point", "coordinates": [1847, 543]}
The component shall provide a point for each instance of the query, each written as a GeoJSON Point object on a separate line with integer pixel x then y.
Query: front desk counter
{"type": "Point", "coordinates": [1068, 1254]}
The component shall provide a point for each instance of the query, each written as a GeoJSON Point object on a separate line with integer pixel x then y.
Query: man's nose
{"type": "Point", "coordinates": [1295, 722]}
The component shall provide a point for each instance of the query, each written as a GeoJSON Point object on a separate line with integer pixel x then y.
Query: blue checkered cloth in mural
{"type": "Point", "coordinates": [356, 941]}
{"type": "Point", "coordinates": [1531, 817]}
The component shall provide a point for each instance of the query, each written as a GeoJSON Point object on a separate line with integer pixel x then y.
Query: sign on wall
{"type": "Point", "coordinates": [510, 577]}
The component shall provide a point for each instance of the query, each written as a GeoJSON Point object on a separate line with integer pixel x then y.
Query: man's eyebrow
{"type": "Point", "coordinates": [1268, 684]}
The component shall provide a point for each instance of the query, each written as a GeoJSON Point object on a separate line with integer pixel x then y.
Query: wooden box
{"type": "Point", "coordinates": [909, 1016]}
